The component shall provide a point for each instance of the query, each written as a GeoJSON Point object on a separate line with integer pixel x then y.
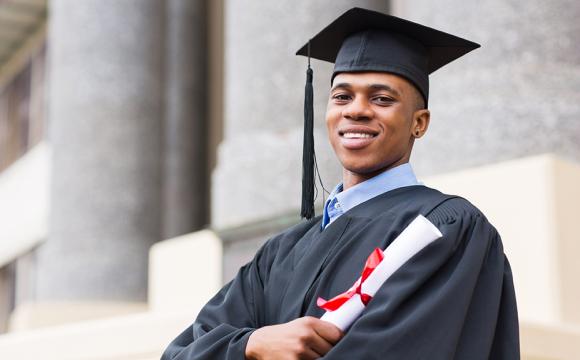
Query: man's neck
{"type": "Point", "coordinates": [350, 178]}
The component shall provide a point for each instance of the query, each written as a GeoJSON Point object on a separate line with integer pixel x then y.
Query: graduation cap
{"type": "Point", "coordinates": [362, 40]}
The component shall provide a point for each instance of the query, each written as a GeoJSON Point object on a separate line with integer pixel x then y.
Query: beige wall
{"type": "Point", "coordinates": [533, 202]}
{"type": "Point", "coordinates": [132, 337]}
{"type": "Point", "coordinates": [184, 272]}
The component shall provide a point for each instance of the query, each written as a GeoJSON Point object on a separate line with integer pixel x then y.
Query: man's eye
{"type": "Point", "coordinates": [383, 100]}
{"type": "Point", "coordinates": [341, 97]}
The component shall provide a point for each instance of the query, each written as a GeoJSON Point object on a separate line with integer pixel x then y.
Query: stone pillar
{"type": "Point", "coordinates": [516, 96]}
{"type": "Point", "coordinates": [259, 160]}
{"type": "Point", "coordinates": [186, 194]}
{"type": "Point", "coordinates": [105, 117]}
{"type": "Point", "coordinates": [6, 295]}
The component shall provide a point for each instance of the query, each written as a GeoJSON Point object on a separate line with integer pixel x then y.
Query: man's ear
{"type": "Point", "coordinates": [420, 124]}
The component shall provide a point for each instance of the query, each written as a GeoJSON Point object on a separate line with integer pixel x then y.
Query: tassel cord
{"type": "Point", "coordinates": [307, 208]}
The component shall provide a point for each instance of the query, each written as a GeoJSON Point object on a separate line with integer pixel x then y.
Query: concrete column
{"type": "Point", "coordinates": [105, 114]}
{"type": "Point", "coordinates": [259, 160]}
{"type": "Point", "coordinates": [516, 96]}
{"type": "Point", "coordinates": [186, 179]}
{"type": "Point", "coordinates": [6, 295]}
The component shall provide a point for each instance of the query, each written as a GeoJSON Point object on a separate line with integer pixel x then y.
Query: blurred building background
{"type": "Point", "coordinates": [147, 148]}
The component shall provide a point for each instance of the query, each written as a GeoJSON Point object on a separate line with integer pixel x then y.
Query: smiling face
{"type": "Point", "coordinates": [372, 120]}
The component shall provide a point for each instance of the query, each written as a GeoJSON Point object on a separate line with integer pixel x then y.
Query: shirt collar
{"type": "Point", "coordinates": [388, 180]}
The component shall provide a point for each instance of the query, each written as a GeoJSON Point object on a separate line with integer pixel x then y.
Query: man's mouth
{"type": "Point", "coordinates": [357, 138]}
{"type": "Point", "coordinates": [356, 135]}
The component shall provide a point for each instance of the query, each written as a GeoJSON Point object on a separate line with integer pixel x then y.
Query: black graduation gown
{"type": "Point", "coordinates": [453, 300]}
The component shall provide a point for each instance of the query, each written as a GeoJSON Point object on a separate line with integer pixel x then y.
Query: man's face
{"type": "Point", "coordinates": [370, 121]}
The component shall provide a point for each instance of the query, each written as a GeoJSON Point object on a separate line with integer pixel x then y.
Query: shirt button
{"type": "Point", "coordinates": [337, 205]}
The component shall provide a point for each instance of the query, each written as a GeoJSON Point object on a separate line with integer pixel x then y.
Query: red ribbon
{"type": "Point", "coordinates": [373, 261]}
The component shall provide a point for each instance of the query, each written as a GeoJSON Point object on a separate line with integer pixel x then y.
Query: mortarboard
{"type": "Point", "coordinates": [362, 40]}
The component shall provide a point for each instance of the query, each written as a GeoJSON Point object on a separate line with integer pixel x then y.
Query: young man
{"type": "Point", "coordinates": [452, 300]}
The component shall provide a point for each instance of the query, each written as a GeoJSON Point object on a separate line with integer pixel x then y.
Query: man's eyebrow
{"type": "Point", "coordinates": [341, 85]}
{"type": "Point", "coordinates": [373, 87]}
{"type": "Point", "coordinates": [385, 87]}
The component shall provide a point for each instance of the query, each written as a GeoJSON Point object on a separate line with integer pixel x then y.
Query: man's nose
{"type": "Point", "coordinates": [359, 109]}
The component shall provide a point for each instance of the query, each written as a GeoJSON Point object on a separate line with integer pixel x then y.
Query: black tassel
{"type": "Point", "coordinates": [307, 210]}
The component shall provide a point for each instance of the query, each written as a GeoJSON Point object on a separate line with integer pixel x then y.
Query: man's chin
{"type": "Point", "coordinates": [363, 170]}
{"type": "Point", "coordinates": [366, 169]}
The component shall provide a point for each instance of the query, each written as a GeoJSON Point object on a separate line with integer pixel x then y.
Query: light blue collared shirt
{"type": "Point", "coordinates": [341, 201]}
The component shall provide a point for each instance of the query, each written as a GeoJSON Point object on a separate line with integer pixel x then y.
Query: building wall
{"type": "Point", "coordinates": [516, 96]}
{"type": "Point", "coordinates": [22, 120]}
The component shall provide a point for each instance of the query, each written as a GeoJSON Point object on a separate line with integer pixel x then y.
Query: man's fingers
{"type": "Point", "coordinates": [309, 354]}
{"type": "Point", "coordinates": [304, 338]}
{"type": "Point", "coordinates": [319, 345]}
{"type": "Point", "coordinates": [312, 338]}
{"type": "Point", "coordinates": [327, 331]}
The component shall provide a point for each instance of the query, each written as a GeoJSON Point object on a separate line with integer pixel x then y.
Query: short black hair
{"type": "Point", "coordinates": [418, 100]}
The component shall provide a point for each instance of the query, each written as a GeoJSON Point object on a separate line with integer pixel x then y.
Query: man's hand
{"type": "Point", "coordinates": [304, 338]}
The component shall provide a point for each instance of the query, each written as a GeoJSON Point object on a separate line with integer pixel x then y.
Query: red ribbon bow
{"type": "Point", "coordinates": [373, 261]}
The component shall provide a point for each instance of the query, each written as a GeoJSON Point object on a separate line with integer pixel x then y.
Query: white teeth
{"type": "Point", "coordinates": [353, 135]}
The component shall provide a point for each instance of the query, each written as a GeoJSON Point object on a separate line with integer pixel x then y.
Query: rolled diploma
{"type": "Point", "coordinates": [418, 234]}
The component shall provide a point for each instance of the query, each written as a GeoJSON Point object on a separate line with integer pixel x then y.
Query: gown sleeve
{"type": "Point", "coordinates": [453, 300]}
{"type": "Point", "coordinates": [223, 326]}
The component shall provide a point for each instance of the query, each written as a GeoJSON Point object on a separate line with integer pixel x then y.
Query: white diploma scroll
{"type": "Point", "coordinates": [420, 233]}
